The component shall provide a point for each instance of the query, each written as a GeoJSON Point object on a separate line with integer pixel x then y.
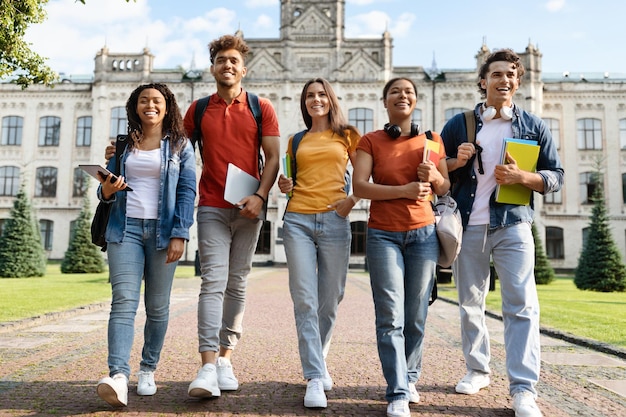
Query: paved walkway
{"type": "Point", "coordinates": [50, 367]}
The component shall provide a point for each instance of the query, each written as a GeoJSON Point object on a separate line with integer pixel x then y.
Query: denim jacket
{"type": "Point", "coordinates": [464, 181]}
{"type": "Point", "coordinates": [177, 195]}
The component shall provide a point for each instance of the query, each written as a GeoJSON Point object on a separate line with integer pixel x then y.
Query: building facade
{"type": "Point", "coordinates": [47, 133]}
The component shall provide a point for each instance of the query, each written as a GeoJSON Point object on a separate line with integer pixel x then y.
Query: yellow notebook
{"type": "Point", "coordinates": [431, 151]}
{"type": "Point", "coordinates": [526, 153]}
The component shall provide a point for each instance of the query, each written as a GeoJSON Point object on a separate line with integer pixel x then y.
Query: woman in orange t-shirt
{"type": "Point", "coordinates": [402, 246]}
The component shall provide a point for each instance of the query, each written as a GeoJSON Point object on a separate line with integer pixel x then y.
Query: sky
{"type": "Point", "coordinates": [576, 36]}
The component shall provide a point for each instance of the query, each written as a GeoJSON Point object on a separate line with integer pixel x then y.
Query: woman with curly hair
{"type": "Point", "coordinates": [146, 233]}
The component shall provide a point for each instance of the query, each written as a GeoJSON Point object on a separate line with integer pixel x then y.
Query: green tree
{"type": "Point", "coordinates": [21, 253]}
{"type": "Point", "coordinates": [600, 267]}
{"type": "Point", "coordinates": [544, 274]}
{"type": "Point", "coordinates": [17, 60]}
{"type": "Point", "coordinates": [82, 256]}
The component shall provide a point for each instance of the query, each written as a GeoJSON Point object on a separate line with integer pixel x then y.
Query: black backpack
{"type": "Point", "coordinates": [255, 108]}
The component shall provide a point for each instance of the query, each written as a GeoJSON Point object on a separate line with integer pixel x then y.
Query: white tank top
{"type": "Point", "coordinates": [143, 174]}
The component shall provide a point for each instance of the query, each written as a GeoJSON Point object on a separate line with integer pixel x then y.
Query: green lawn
{"type": "Point", "coordinates": [30, 297]}
{"type": "Point", "coordinates": [593, 315]}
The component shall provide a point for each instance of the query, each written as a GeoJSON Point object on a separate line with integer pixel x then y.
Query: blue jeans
{"type": "Point", "coordinates": [513, 251]}
{"type": "Point", "coordinates": [226, 244]}
{"type": "Point", "coordinates": [136, 257]}
{"type": "Point", "coordinates": [317, 247]}
{"type": "Point", "coordinates": [402, 274]}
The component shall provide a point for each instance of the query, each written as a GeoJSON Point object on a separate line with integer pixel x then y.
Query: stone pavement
{"type": "Point", "coordinates": [50, 366]}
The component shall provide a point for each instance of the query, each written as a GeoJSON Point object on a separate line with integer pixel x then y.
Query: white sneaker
{"type": "Point", "coordinates": [414, 396]}
{"type": "Point", "coordinates": [225, 377]}
{"type": "Point", "coordinates": [205, 384]}
{"type": "Point", "coordinates": [398, 408]}
{"type": "Point", "coordinates": [145, 383]}
{"type": "Point", "coordinates": [327, 381]}
{"type": "Point", "coordinates": [472, 382]}
{"type": "Point", "coordinates": [524, 405]}
{"type": "Point", "coordinates": [315, 397]}
{"type": "Point", "coordinates": [114, 390]}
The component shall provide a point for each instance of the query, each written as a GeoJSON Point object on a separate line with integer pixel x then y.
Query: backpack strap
{"type": "Point", "coordinates": [255, 108]}
{"type": "Point", "coordinates": [470, 125]}
{"type": "Point", "coordinates": [196, 136]}
{"type": "Point", "coordinates": [429, 134]}
{"type": "Point", "coordinates": [295, 142]}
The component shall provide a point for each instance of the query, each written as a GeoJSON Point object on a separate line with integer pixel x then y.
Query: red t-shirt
{"type": "Point", "coordinates": [395, 162]}
{"type": "Point", "coordinates": [230, 135]}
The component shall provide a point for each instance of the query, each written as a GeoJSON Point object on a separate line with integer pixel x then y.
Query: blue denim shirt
{"type": "Point", "coordinates": [177, 195]}
{"type": "Point", "coordinates": [525, 126]}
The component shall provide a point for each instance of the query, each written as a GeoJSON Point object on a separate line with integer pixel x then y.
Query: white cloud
{"type": "Point", "coordinates": [264, 22]}
{"type": "Point", "coordinates": [261, 3]}
{"type": "Point", "coordinates": [555, 5]}
{"type": "Point", "coordinates": [367, 25]}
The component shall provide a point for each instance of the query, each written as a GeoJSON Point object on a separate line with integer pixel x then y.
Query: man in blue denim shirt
{"type": "Point", "coordinates": [499, 232]}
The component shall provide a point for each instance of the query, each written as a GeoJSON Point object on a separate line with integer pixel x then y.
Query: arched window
{"type": "Point", "coordinates": [362, 119]}
{"type": "Point", "coordinates": [83, 131]}
{"type": "Point", "coordinates": [9, 180]}
{"type": "Point", "coordinates": [46, 182]}
{"type": "Point", "coordinates": [12, 130]}
{"type": "Point", "coordinates": [554, 243]}
{"type": "Point", "coordinates": [589, 134]}
{"type": "Point", "coordinates": [49, 131]}
{"type": "Point", "coordinates": [118, 122]}
{"type": "Point", "coordinates": [555, 128]}
{"type": "Point", "coordinates": [46, 230]}
{"type": "Point", "coordinates": [454, 111]}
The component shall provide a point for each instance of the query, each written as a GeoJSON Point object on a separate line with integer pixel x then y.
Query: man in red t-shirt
{"type": "Point", "coordinates": [227, 233]}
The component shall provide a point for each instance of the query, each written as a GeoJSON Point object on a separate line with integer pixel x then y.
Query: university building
{"type": "Point", "coordinates": [48, 132]}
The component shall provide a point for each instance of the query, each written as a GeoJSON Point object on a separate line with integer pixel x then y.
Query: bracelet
{"type": "Point", "coordinates": [260, 196]}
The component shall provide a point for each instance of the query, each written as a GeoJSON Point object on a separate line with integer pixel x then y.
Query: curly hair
{"type": "Point", "coordinates": [507, 55]}
{"type": "Point", "coordinates": [226, 42]}
{"type": "Point", "coordinates": [172, 122]}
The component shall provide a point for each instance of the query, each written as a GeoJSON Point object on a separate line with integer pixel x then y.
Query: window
{"type": "Point", "coordinates": [9, 180]}
{"type": "Point", "coordinates": [263, 245]}
{"type": "Point", "coordinates": [554, 243]}
{"type": "Point", "coordinates": [589, 134]}
{"type": "Point", "coordinates": [362, 119]}
{"type": "Point", "coordinates": [453, 111]}
{"type": "Point", "coordinates": [12, 130]}
{"type": "Point", "coordinates": [118, 122]}
{"type": "Point", "coordinates": [46, 182]}
{"type": "Point", "coordinates": [416, 117]}
{"type": "Point", "coordinates": [359, 234]}
{"type": "Point", "coordinates": [588, 182]}
{"type": "Point", "coordinates": [553, 198]}
{"type": "Point", "coordinates": [72, 229]}
{"type": "Point", "coordinates": [585, 235]}
{"type": "Point", "coordinates": [555, 128]}
{"type": "Point", "coordinates": [46, 229]}
{"type": "Point", "coordinates": [622, 133]}
{"type": "Point", "coordinates": [83, 131]}
{"type": "Point", "coordinates": [81, 182]}
{"type": "Point", "coordinates": [49, 131]}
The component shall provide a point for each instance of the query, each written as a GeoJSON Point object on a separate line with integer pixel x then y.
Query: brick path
{"type": "Point", "coordinates": [50, 367]}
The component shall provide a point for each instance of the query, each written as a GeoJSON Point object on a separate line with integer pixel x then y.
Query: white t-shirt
{"type": "Point", "coordinates": [490, 138]}
{"type": "Point", "coordinates": [143, 174]}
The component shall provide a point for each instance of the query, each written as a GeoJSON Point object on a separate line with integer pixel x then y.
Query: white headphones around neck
{"type": "Point", "coordinates": [490, 112]}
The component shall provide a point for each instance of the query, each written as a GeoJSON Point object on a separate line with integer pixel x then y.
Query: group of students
{"type": "Point", "coordinates": [148, 228]}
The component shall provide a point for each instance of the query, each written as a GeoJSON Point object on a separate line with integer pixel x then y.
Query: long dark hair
{"type": "Point", "coordinates": [172, 122]}
{"type": "Point", "coordinates": [338, 123]}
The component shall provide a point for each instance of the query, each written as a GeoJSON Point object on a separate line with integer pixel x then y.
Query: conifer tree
{"type": "Point", "coordinates": [21, 252]}
{"type": "Point", "coordinates": [82, 256]}
{"type": "Point", "coordinates": [544, 274]}
{"type": "Point", "coordinates": [600, 267]}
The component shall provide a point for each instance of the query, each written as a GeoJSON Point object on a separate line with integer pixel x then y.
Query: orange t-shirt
{"type": "Point", "coordinates": [395, 162]}
{"type": "Point", "coordinates": [230, 135]}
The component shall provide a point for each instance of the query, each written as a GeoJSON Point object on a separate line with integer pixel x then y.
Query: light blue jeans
{"type": "Point", "coordinates": [226, 245]}
{"type": "Point", "coordinates": [131, 260]}
{"type": "Point", "coordinates": [317, 247]}
{"type": "Point", "coordinates": [513, 251]}
{"type": "Point", "coordinates": [402, 274]}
